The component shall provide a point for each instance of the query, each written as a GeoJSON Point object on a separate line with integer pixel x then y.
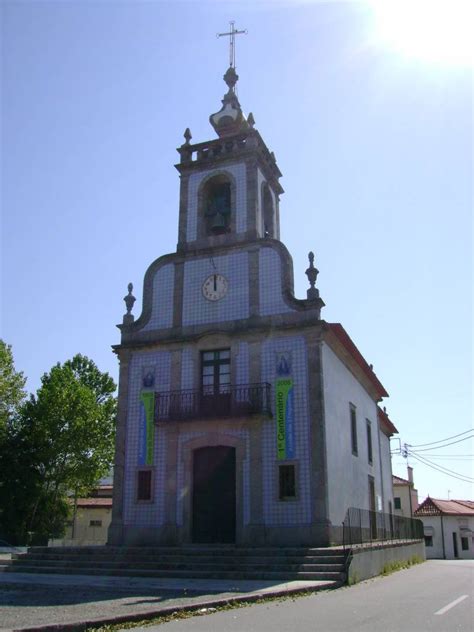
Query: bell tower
{"type": "Point", "coordinates": [230, 186]}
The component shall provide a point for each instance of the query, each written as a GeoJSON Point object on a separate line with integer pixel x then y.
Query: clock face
{"type": "Point", "coordinates": [215, 287]}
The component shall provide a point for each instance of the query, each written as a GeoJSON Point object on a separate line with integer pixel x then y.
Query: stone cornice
{"type": "Point", "coordinates": [242, 329]}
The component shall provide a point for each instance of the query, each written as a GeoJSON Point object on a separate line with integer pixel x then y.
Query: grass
{"type": "Point", "coordinates": [392, 567]}
{"type": "Point", "coordinates": [196, 611]}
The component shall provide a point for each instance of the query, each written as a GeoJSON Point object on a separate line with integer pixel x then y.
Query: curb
{"type": "Point", "coordinates": [80, 626]}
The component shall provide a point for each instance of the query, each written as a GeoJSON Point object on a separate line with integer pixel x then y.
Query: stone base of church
{"type": "Point", "coordinates": [320, 535]}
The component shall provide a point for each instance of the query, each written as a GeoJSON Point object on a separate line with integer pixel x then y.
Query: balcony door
{"type": "Point", "coordinates": [215, 382]}
{"type": "Point", "coordinates": [214, 495]}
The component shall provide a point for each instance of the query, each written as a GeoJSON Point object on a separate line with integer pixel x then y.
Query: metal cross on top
{"type": "Point", "coordinates": [231, 34]}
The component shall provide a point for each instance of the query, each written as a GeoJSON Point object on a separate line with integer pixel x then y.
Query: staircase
{"type": "Point", "coordinates": [204, 562]}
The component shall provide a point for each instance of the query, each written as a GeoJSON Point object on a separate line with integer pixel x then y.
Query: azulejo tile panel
{"type": "Point", "coordinates": [162, 299]}
{"type": "Point", "coordinates": [292, 350]}
{"type": "Point", "coordinates": [233, 306]}
{"type": "Point", "coordinates": [142, 365]}
{"type": "Point", "coordinates": [271, 293]}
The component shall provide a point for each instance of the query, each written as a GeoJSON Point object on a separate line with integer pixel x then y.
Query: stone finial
{"type": "Point", "coordinates": [230, 119]}
{"type": "Point", "coordinates": [251, 120]}
{"type": "Point", "coordinates": [231, 78]}
{"type": "Point", "coordinates": [272, 156]}
{"type": "Point", "coordinates": [187, 135]}
{"type": "Point", "coordinates": [312, 274]}
{"type": "Point", "coordinates": [129, 301]}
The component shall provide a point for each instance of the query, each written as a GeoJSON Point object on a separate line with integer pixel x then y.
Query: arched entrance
{"type": "Point", "coordinates": [213, 504]}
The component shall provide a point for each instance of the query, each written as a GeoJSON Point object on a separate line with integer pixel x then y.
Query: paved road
{"type": "Point", "coordinates": [437, 596]}
{"type": "Point", "coordinates": [67, 601]}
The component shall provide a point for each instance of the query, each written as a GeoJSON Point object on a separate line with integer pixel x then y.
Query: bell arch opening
{"type": "Point", "coordinates": [268, 212]}
{"type": "Point", "coordinates": [217, 205]}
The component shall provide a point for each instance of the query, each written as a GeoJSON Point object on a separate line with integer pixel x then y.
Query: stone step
{"type": "Point", "coordinates": [337, 577]}
{"type": "Point", "coordinates": [189, 566]}
{"type": "Point", "coordinates": [219, 551]}
{"type": "Point", "coordinates": [179, 560]}
{"type": "Point", "coordinates": [206, 562]}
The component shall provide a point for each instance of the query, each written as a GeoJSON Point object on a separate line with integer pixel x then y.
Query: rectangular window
{"type": "Point", "coordinates": [369, 441]}
{"type": "Point", "coordinates": [95, 523]}
{"type": "Point", "coordinates": [144, 485]}
{"type": "Point", "coordinates": [464, 544]}
{"type": "Point", "coordinates": [397, 502]}
{"type": "Point", "coordinates": [354, 430]}
{"type": "Point", "coordinates": [286, 482]}
{"type": "Point", "coordinates": [215, 372]}
{"type": "Point", "coordinates": [428, 540]}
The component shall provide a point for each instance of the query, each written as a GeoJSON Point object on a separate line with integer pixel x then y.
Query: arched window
{"type": "Point", "coordinates": [217, 205]}
{"type": "Point", "coordinates": [268, 213]}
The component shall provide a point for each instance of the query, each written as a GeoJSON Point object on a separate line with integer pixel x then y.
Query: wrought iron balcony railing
{"type": "Point", "coordinates": [231, 401]}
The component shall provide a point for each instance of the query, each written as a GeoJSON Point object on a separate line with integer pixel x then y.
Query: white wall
{"type": "Point", "coordinates": [386, 469]}
{"type": "Point", "coordinates": [447, 526]}
{"type": "Point", "coordinates": [348, 484]}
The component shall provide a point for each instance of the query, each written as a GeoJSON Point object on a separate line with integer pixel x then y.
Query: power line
{"type": "Point", "coordinates": [433, 466]}
{"type": "Point", "coordinates": [451, 457]}
{"type": "Point", "coordinates": [441, 446]}
{"type": "Point", "coordinates": [422, 445]}
{"type": "Point", "coordinates": [446, 469]}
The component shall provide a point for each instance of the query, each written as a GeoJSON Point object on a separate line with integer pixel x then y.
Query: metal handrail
{"type": "Point", "coordinates": [230, 401]}
{"type": "Point", "coordinates": [363, 526]}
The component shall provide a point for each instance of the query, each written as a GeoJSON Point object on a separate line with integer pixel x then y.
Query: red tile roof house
{"type": "Point", "coordinates": [448, 527]}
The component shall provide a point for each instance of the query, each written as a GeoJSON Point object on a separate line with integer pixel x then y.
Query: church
{"type": "Point", "coordinates": [244, 418]}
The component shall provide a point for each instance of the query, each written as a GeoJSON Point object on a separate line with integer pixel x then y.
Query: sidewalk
{"type": "Point", "coordinates": [73, 602]}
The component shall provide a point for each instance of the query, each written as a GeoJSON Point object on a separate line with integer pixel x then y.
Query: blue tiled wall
{"type": "Point", "coordinates": [162, 299]}
{"type": "Point", "coordinates": [271, 299]}
{"type": "Point", "coordinates": [287, 512]}
{"type": "Point", "coordinates": [152, 513]}
{"type": "Point", "coordinates": [235, 305]}
{"type": "Point", "coordinates": [242, 364]}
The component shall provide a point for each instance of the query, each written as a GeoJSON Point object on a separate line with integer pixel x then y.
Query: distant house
{"type": "Point", "coordinates": [405, 495]}
{"type": "Point", "coordinates": [90, 519]}
{"type": "Point", "coordinates": [448, 527]}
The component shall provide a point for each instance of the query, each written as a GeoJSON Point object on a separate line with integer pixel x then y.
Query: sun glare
{"type": "Point", "coordinates": [439, 31]}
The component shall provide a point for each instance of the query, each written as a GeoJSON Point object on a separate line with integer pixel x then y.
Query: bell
{"type": "Point", "coordinates": [218, 224]}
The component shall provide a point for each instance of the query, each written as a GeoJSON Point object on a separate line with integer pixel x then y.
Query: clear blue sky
{"type": "Point", "coordinates": [375, 147]}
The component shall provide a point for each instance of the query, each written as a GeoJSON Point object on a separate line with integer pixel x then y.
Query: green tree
{"type": "Point", "coordinates": [65, 438]}
{"type": "Point", "coordinates": [12, 385]}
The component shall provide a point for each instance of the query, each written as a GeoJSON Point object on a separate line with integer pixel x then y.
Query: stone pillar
{"type": "Point", "coordinates": [319, 476]}
{"type": "Point", "coordinates": [170, 489]}
{"type": "Point", "coordinates": [256, 529]}
{"type": "Point", "coordinates": [116, 535]}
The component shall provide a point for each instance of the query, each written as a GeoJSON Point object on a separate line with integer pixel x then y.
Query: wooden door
{"type": "Point", "coordinates": [214, 495]}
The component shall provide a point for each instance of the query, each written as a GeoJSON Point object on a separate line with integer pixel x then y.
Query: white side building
{"type": "Point", "coordinates": [448, 527]}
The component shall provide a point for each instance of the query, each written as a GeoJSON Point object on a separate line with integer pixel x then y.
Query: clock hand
{"type": "Point", "coordinates": [215, 283]}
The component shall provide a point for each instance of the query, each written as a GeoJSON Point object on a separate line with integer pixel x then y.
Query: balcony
{"type": "Point", "coordinates": [243, 400]}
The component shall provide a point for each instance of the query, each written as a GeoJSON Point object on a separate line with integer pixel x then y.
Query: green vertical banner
{"type": "Point", "coordinates": [147, 428]}
{"type": "Point", "coordinates": [285, 419]}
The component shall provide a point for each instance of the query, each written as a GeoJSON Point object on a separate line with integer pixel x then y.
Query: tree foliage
{"type": "Point", "coordinates": [12, 385]}
{"type": "Point", "coordinates": [63, 439]}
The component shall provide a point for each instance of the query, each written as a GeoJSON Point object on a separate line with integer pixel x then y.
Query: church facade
{"type": "Point", "coordinates": [243, 416]}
